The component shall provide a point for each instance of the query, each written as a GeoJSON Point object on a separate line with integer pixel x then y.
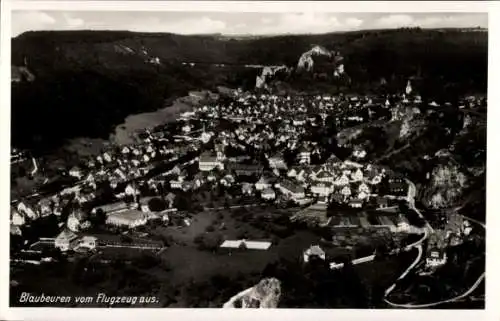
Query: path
{"type": "Point", "coordinates": [412, 192]}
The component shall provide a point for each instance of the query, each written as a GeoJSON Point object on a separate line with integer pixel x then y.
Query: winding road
{"type": "Point", "coordinates": [418, 245]}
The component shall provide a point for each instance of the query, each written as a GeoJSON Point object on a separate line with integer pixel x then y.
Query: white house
{"type": "Point", "coordinates": [436, 257]}
{"type": "Point", "coordinates": [356, 203]}
{"type": "Point", "coordinates": [345, 191]}
{"type": "Point", "coordinates": [17, 219]}
{"type": "Point", "coordinates": [322, 188]}
{"type": "Point", "coordinates": [363, 191]}
{"type": "Point", "coordinates": [89, 242]}
{"type": "Point", "coordinates": [26, 210]}
{"type": "Point", "coordinates": [107, 157]}
{"type": "Point", "coordinates": [262, 184]}
{"type": "Point", "coordinates": [73, 222]}
{"type": "Point", "coordinates": [357, 175]}
{"type": "Point", "coordinates": [75, 172]}
{"type": "Point", "coordinates": [314, 251]}
{"type": "Point", "coordinates": [403, 225]}
{"type": "Point", "coordinates": [292, 173]}
{"type": "Point", "coordinates": [342, 180]}
{"type": "Point", "coordinates": [65, 240]}
{"type": "Point", "coordinates": [268, 194]}
{"type": "Point", "coordinates": [246, 189]}
{"type": "Point", "coordinates": [277, 161]}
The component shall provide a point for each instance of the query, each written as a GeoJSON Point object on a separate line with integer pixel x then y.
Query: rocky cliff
{"type": "Point", "coordinates": [446, 186]}
{"type": "Point", "coordinates": [266, 294]}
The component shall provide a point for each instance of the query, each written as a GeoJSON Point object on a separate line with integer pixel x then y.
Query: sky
{"type": "Point", "coordinates": [237, 23]}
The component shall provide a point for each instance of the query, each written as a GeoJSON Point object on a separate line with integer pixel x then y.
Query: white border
{"type": "Point", "coordinates": [493, 159]}
{"type": "Point", "coordinates": [258, 6]}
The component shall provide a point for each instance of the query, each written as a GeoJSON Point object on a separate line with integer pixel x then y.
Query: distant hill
{"type": "Point", "coordinates": [86, 82]}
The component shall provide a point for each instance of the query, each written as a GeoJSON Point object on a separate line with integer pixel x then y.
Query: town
{"type": "Point", "coordinates": [232, 157]}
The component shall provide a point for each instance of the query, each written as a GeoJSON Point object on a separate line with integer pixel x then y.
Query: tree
{"type": "Point", "coordinates": [157, 204]}
{"type": "Point", "coordinates": [99, 217]}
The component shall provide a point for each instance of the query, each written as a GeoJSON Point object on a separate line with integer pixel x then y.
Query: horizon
{"type": "Point", "coordinates": [238, 24]}
{"type": "Point", "coordinates": [249, 35]}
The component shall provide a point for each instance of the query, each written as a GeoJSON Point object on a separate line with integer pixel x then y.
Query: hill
{"type": "Point", "coordinates": [86, 82]}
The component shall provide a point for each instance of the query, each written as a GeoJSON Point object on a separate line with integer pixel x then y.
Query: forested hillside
{"type": "Point", "coordinates": [87, 82]}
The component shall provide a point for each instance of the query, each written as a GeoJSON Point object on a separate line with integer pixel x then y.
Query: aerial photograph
{"type": "Point", "coordinates": [198, 159]}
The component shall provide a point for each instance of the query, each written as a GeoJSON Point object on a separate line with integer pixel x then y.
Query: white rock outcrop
{"type": "Point", "coordinates": [266, 294]}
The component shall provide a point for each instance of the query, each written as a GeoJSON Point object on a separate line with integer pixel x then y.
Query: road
{"type": "Point", "coordinates": [418, 244]}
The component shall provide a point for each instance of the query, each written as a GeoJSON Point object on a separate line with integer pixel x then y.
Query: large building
{"type": "Point", "coordinates": [209, 162]}
{"type": "Point", "coordinates": [130, 218]}
{"type": "Point", "coordinates": [244, 244]}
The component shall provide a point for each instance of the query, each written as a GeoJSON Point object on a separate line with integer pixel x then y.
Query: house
{"type": "Point", "coordinates": [129, 218]}
{"type": "Point", "coordinates": [131, 190]}
{"type": "Point", "coordinates": [268, 194]}
{"type": "Point", "coordinates": [292, 173]}
{"type": "Point", "coordinates": [65, 240]}
{"type": "Point", "coordinates": [357, 175]}
{"type": "Point", "coordinates": [382, 202]}
{"type": "Point", "coordinates": [314, 251]}
{"type": "Point", "coordinates": [227, 180]}
{"type": "Point", "coordinates": [107, 157]}
{"type": "Point", "coordinates": [176, 183]}
{"type": "Point", "coordinates": [292, 190]}
{"type": "Point", "coordinates": [45, 207]}
{"type": "Point", "coordinates": [246, 169]}
{"type": "Point", "coordinates": [358, 152]}
{"type": "Point", "coordinates": [342, 180]}
{"type": "Point", "coordinates": [187, 185]}
{"type": "Point", "coordinates": [88, 242]}
{"type": "Point", "coordinates": [435, 257]}
{"type": "Point", "coordinates": [403, 225]}
{"type": "Point", "coordinates": [16, 218]}
{"type": "Point", "coordinates": [74, 220]}
{"type": "Point", "coordinates": [198, 180]}
{"type": "Point", "coordinates": [75, 171]}
{"type": "Point", "coordinates": [467, 228]}
{"type": "Point", "coordinates": [345, 191]}
{"type": "Point", "coordinates": [211, 177]}
{"type": "Point", "coordinates": [209, 162]}
{"type": "Point", "coordinates": [304, 155]}
{"type": "Point", "coordinates": [363, 191]}
{"type": "Point", "coordinates": [262, 184]}
{"type": "Point", "coordinates": [397, 186]}
{"type": "Point", "coordinates": [356, 203]}
{"type": "Point", "coordinates": [322, 188]}
{"type": "Point", "coordinates": [246, 189]}
{"type": "Point", "coordinates": [277, 161]}
{"type": "Point", "coordinates": [324, 176]}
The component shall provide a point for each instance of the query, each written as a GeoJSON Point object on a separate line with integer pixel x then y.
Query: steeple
{"type": "Point", "coordinates": [408, 88]}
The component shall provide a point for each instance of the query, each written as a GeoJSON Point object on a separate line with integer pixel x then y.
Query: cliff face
{"type": "Point", "coordinates": [446, 186]}
{"type": "Point", "coordinates": [266, 294]}
{"type": "Point", "coordinates": [307, 60]}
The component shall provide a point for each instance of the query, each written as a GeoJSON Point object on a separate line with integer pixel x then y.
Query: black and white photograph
{"type": "Point", "coordinates": [243, 159]}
